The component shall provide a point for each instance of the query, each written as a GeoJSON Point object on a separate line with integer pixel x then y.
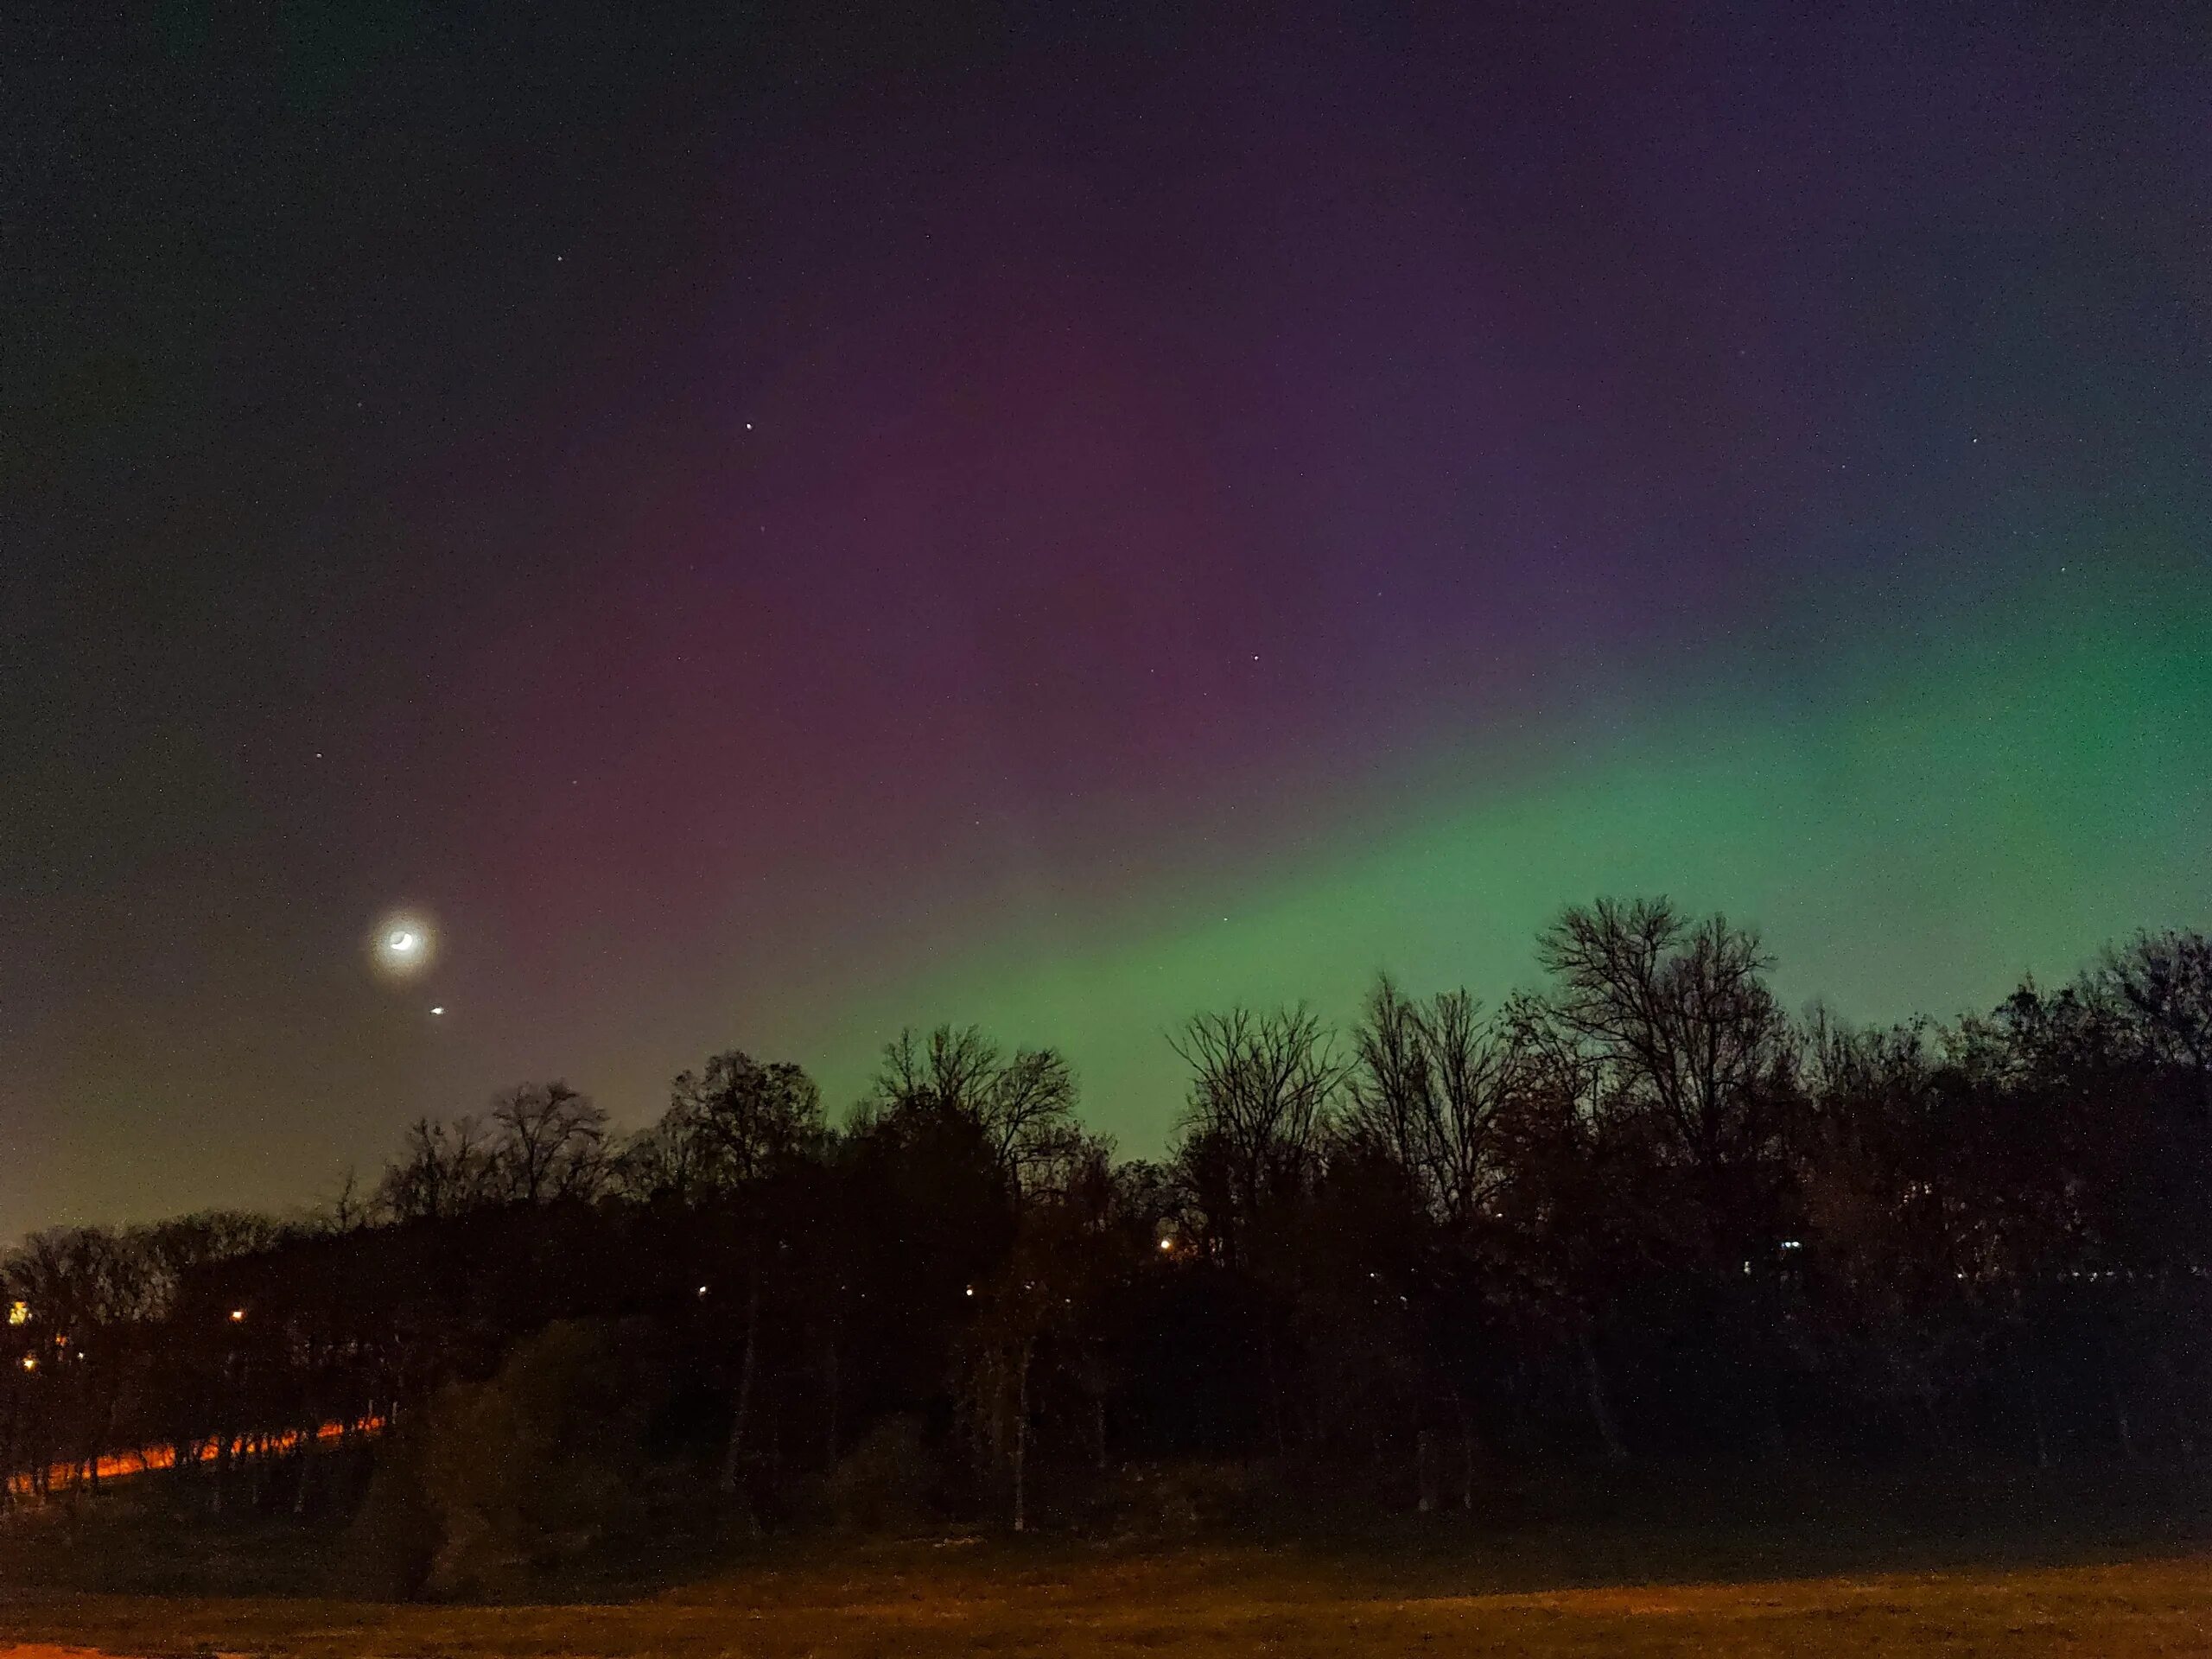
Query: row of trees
{"type": "Point", "coordinates": [1637, 1211]}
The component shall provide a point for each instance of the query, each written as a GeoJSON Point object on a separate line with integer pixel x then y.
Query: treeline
{"type": "Point", "coordinates": [1636, 1211]}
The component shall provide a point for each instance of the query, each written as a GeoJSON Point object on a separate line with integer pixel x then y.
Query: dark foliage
{"type": "Point", "coordinates": [1638, 1212]}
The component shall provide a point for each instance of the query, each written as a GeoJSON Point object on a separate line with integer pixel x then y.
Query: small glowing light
{"type": "Point", "coordinates": [702, 1290]}
{"type": "Point", "coordinates": [237, 1315]}
{"type": "Point", "coordinates": [1166, 1245]}
{"type": "Point", "coordinates": [30, 1362]}
{"type": "Point", "coordinates": [438, 1008]}
{"type": "Point", "coordinates": [19, 1312]}
{"type": "Point", "coordinates": [971, 1291]}
{"type": "Point", "coordinates": [403, 943]}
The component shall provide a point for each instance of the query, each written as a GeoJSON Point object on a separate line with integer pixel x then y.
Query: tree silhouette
{"type": "Point", "coordinates": [1633, 1209]}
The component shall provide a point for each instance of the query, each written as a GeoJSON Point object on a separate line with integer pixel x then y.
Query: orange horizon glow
{"type": "Point", "coordinates": [117, 1465]}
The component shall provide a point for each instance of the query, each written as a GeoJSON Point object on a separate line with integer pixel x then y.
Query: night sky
{"type": "Point", "coordinates": [767, 529]}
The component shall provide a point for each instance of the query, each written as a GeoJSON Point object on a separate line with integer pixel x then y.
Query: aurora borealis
{"type": "Point", "coordinates": [770, 531]}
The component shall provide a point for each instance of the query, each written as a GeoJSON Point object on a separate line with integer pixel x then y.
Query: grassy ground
{"type": "Point", "coordinates": [2012, 1569]}
{"type": "Point", "coordinates": [1200, 1602]}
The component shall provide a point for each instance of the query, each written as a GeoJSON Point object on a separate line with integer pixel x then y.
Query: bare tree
{"type": "Point", "coordinates": [1678, 1017]}
{"type": "Point", "coordinates": [734, 1127]}
{"type": "Point", "coordinates": [1024, 1107]}
{"type": "Point", "coordinates": [351, 1207]}
{"type": "Point", "coordinates": [1040, 1293]}
{"type": "Point", "coordinates": [1263, 1087]}
{"type": "Point", "coordinates": [736, 1120]}
{"type": "Point", "coordinates": [443, 1169]}
{"type": "Point", "coordinates": [174, 1249]}
{"type": "Point", "coordinates": [550, 1143]}
{"type": "Point", "coordinates": [2164, 982]}
{"type": "Point", "coordinates": [1431, 1084]}
{"type": "Point", "coordinates": [666, 1159]}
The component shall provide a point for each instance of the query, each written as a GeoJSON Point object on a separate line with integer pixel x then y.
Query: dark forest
{"type": "Point", "coordinates": [1638, 1212]}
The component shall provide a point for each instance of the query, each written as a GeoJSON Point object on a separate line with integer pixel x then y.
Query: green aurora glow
{"type": "Point", "coordinates": [1930, 822]}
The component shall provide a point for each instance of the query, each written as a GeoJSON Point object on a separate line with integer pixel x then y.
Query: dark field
{"type": "Point", "coordinates": [1210, 1601]}
{"type": "Point", "coordinates": [2023, 1567]}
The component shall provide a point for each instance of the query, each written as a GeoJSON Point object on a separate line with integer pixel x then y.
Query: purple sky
{"type": "Point", "coordinates": [749, 528]}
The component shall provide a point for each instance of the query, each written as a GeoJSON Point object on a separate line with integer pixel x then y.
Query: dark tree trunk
{"type": "Point", "coordinates": [742, 1407]}
{"type": "Point", "coordinates": [2036, 1420]}
{"type": "Point", "coordinates": [1466, 1459]}
{"type": "Point", "coordinates": [1939, 1441]}
{"type": "Point", "coordinates": [1275, 1397]}
{"type": "Point", "coordinates": [1021, 1440]}
{"type": "Point", "coordinates": [1601, 1405]}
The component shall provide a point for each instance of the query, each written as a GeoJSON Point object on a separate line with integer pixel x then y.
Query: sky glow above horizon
{"type": "Point", "coordinates": [770, 537]}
